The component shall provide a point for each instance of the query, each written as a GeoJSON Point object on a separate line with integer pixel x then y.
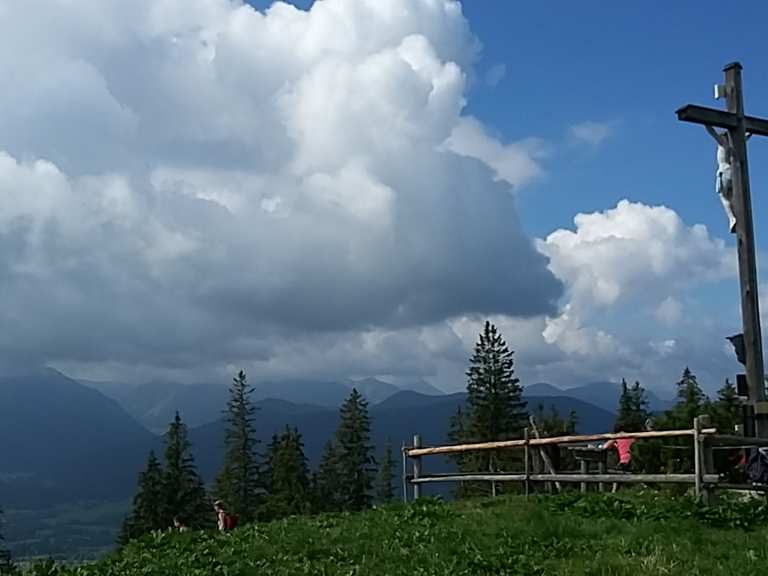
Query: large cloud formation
{"type": "Point", "coordinates": [194, 184]}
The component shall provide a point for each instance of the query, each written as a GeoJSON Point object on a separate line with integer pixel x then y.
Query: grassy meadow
{"type": "Point", "coordinates": [628, 534]}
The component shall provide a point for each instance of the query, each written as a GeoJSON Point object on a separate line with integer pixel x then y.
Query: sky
{"type": "Point", "coordinates": [350, 188]}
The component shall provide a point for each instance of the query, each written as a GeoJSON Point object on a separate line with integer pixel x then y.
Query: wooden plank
{"type": "Point", "coordinates": [732, 441]}
{"type": "Point", "coordinates": [577, 478]}
{"type": "Point", "coordinates": [413, 452]}
{"type": "Point", "coordinates": [469, 478]}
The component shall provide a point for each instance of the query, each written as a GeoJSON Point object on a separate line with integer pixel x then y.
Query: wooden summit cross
{"type": "Point", "coordinates": [739, 128]}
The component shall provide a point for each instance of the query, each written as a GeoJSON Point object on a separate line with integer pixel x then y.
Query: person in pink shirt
{"type": "Point", "coordinates": [624, 448]}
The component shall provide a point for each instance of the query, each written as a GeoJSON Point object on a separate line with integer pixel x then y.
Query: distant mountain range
{"type": "Point", "coordinates": [153, 404]}
{"type": "Point", "coordinates": [62, 442]}
{"type": "Point", "coordinates": [604, 395]}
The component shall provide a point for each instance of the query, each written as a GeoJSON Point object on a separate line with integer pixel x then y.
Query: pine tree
{"type": "Point", "coordinates": [326, 482]}
{"type": "Point", "coordinates": [727, 410]}
{"type": "Point", "coordinates": [494, 398]}
{"type": "Point", "coordinates": [238, 482]}
{"type": "Point", "coordinates": [633, 408]}
{"type": "Point", "coordinates": [289, 477]}
{"type": "Point", "coordinates": [182, 488]}
{"type": "Point", "coordinates": [386, 473]}
{"type": "Point", "coordinates": [355, 462]}
{"type": "Point", "coordinates": [148, 512]}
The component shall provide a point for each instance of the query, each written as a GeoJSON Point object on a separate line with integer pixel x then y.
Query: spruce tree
{"type": "Point", "coordinates": [238, 482]}
{"type": "Point", "coordinates": [289, 478]}
{"type": "Point", "coordinates": [326, 482]}
{"type": "Point", "coordinates": [182, 488]}
{"type": "Point", "coordinates": [633, 408]}
{"type": "Point", "coordinates": [355, 462]}
{"type": "Point", "coordinates": [465, 461]}
{"type": "Point", "coordinates": [6, 565]}
{"type": "Point", "coordinates": [148, 511]}
{"type": "Point", "coordinates": [553, 424]}
{"type": "Point", "coordinates": [727, 410]}
{"type": "Point", "coordinates": [265, 470]}
{"type": "Point", "coordinates": [494, 398]}
{"type": "Point", "coordinates": [691, 402]}
{"type": "Point", "coordinates": [385, 475]}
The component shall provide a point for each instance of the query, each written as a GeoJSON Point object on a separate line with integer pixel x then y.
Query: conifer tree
{"type": "Point", "coordinates": [148, 512]}
{"type": "Point", "coordinates": [494, 398]}
{"type": "Point", "coordinates": [727, 410]}
{"type": "Point", "coordinates": [691, 402]}
{"type": "Point", "coordinates": [465, 461]}
{"type": "Point", "coordinates": [354, 459]}
{"type": "Point", "coordinates": [633, 408]}
{"type": "Point", "coordinates": [326, 482]}
{"type": "Point", "coordinates": [182, 488]}
{"type": "Point", "coordinates": [265, 470]}
{"type": "Point", "coordinates": [385, 475]}
{"type": "Point", "coordinates": [289, 477]}
{"type": "Point", "coordinates": [238, 482]}
{"type": "Point", "coordinates": [6, 565]}
{"type": "Point", "coordinates": [494, 395]}
{"type": "Point", "coordinates": [553, 424]}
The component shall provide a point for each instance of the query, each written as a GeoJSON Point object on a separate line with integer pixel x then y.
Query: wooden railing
{"type": "Point", "coordinates": [704, 478]}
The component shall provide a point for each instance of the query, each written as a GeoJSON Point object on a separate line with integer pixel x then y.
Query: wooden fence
{"type": "Point", "coordinates": [704, 478]}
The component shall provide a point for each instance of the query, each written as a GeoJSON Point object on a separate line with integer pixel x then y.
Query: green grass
{"type": "Point", "coordinates": [507, 536]}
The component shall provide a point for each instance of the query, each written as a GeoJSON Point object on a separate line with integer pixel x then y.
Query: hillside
{"type": "Point", "coordinates": [507, 536]}
{"type": "Point", "coordinates": [62, 441]}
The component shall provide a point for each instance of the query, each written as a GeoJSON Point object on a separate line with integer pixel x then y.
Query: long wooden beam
{"type": "Point", "coordinates": [731, 441]}
{"type": "Point", "coordinates": [721, 119]}
{"type": "Point", "coordinates": [593, 478]}
{"type": "Point", "coordinates": [416, 452]}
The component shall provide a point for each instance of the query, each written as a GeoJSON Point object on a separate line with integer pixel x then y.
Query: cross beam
{"type": "Point", "coordinates": [739, 125]}
{"type": "Point", "coordinates": [721, 119]}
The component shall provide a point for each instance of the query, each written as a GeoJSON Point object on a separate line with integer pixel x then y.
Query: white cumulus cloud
{"type": "Point", "coordinates": [192, 185]}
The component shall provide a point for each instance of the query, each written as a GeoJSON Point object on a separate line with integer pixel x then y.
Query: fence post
{"type": "Point", "coordinates": [416, 467]}
{"type": "Point", "coordinates": [527, 460]}
{"type": "Point", "coordinates": [404, 473]}
{"type": "Point", "coordinates": [601, 471]}
{"type": "Point", "coordinates": [696, 458]}
{"type": "Point", "coordinates": [584, 469]}
{"type": "Point", "coordinates": [708, 460]}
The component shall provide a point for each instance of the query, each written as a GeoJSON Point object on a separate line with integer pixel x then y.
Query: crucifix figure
{"type": "Point", "coordinates": [724, 176]}
{"type": "Point", "coordinates": [733, 187]}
